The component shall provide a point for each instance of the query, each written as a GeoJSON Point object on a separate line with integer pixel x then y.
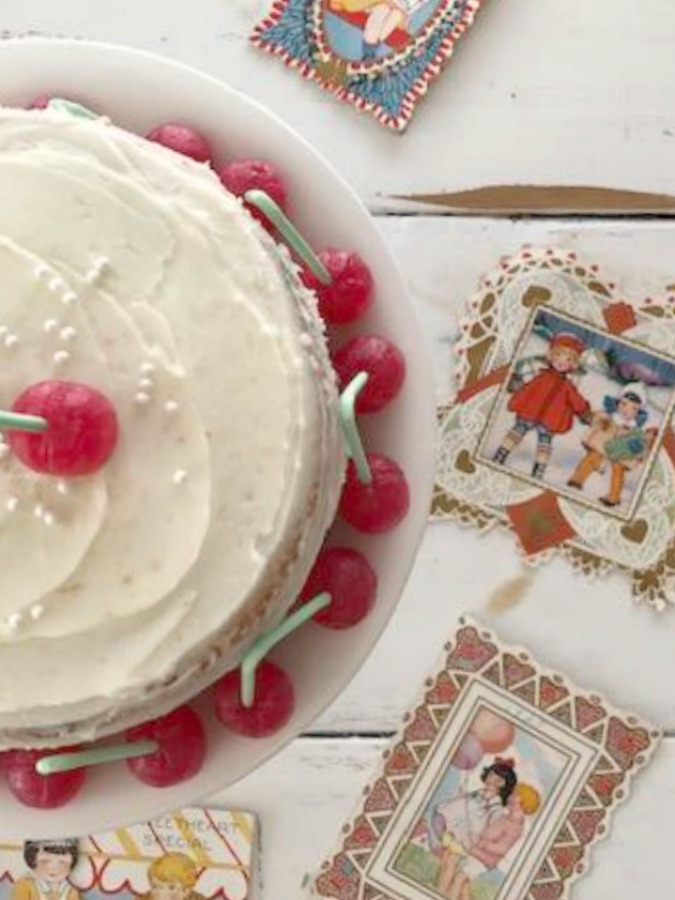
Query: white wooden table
{"type": "Point", "coordinates": [561, 92]}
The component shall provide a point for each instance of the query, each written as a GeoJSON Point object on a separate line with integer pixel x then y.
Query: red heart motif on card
{"type": "Point", "coordinates": [585, 823]}
{"type": "Point", "coordinates": [421, 728]}
{"type": "Point", "coordinates": [566, 858]}
{"type": "Point", "coordinates": [551, 693]}
{"type": "Point", "coordinates": [604, 786]}
{"type": "Point", "coordinates": [550, 891]}
{"type": "Point", "coordinates": [516, 671]}
{"type": "Point", "coordinates": [362, 835]}
{"type": "Point", "coordinates": [443, 692]}
{"type": "Point", "coordinates": [401, 761]}
{"type": "Point", "coordinates": [380, 798]}
{"type": "Point", "coordinates": [624, 743]}
{"type": "Point", "coordinates": [588, 713]}
{"type": "Point", "coordinates": [471, 652]}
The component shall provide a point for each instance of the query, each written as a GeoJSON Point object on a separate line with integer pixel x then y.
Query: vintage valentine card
{"type": "Point", "coordinates": [192, 854]}
{"type": "Point", "coordinates": [379, 55]}
{"type": "Point", "coordinates": [496, 787]}
{"type": "Point", "coordinates": [561, 430]}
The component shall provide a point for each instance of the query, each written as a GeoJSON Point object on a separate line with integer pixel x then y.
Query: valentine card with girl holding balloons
{"type": "Point", "coordinates": [496, 787]}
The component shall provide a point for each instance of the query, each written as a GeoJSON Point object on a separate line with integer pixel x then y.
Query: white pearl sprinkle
{"type": "Point", "coordinates": [11, 340]}
{"type": "Point", "coordinates": [61, 357]}
{"type": "Point", "coordinates": [68, 333]}
{"type": "Point", "coordinates": [56, 284]}
{"type": "Point", "coordinates": [68, 298]}
{"type": "Point", "coordinates": [141, 399]}
{"type": "Point", "coordinates": [4, 451]}
{"type": "Point", "coordinates": [98, 268]}
{"type": "Point", "coordinates": [11, 504]}
{"type": "Point", "coordinates": [48, 518]}
{"type": "Point", "coordinates": [38, 511]}
{"type": "Point", "coordinates": [36, 612]}
{"type": "Point", "coordinates": [179, 476]}
{"type": "Point", "coordinates": [147, 368]}
{"type": "Point", "coordinates": [41, 271]}
{"type": "Point", "coordinates": [3, 330]}
{"type": "Point", "coordinates": [146, 384]}
{"type": "Point", "coordinates": [50, 325]}
{"type": "Point", "coordinates": [170, 406]}
{"type": "Point", "coordinates": [62, 487]}
{"type": "Point", "coordinates": [14, 621]}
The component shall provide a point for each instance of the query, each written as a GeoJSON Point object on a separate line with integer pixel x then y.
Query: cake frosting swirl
{"type": "Point", "coordinates": [130, 269]}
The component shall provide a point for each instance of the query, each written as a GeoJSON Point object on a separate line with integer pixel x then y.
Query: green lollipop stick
{"type": "Point", "coordinates": [73, 109]}
{"type": "Point", "coordinates": [264, 203]}
{"type": "Point", "coordinates": [270, 639]}
{"type": "Point", "coordinates": [97, 756]}
{"type": "Point", "coordinates": [11, 421]}
{"type": "Point", "coordinates": [350, 429]}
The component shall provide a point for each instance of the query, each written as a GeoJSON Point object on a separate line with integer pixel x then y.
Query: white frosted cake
{"type": "Point", "coordinates": [130, 269]}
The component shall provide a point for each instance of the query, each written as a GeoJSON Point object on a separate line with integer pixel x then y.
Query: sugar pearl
{"type": "Point", "coordinates": [68, 298]}
{"type": "Point", "coordinates": [179, 476]}
{"type": "Point", "coordinates": [48, 518]}
{"type": "Point", "coordinates": [11, 340]}
{"type": "Point", "coordinates": [170, 406]}
{"type": "Point", "coordinates": [61, 357]}
{"type": "Point", "coordinates": [68, 333]}
{"type": "Point", "coordinates": [14, 621]}
{"type": "Point", "coordinates": [62, 487]}
{"type": "Point", "coordinates": [4, 451]}
{"type": "Point", "coordinates": [38, 510]}
{"type": "Point", "coordinates": [141, 399]}
{"type": "Point", "coordinates": [147, 368]}
{"type": "Point", "coordinates": [146, 384]}
{"type": "Point", "coordinates": [36, 612]}
{"type": "Point", "coordinates": [50, 325]}
{"type": "Point", "coordinates": [11, 504]}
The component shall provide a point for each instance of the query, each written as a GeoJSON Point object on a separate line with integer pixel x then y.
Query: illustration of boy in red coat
{"type": "Point", "coordinates": [545, 399]}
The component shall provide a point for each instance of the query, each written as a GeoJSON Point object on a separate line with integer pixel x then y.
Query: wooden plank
{"type": "Point", "coordinates": [562, 93]}
{"type": "Point", "coordinates": [590, 629]}
{"type": "Point", "coordinates": [305, 794]}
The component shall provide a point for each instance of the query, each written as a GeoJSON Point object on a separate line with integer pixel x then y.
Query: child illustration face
{"type": "Point", "coordinates": [628, 408]}
{"type": "Point", "coordinates": [493, 784]}
{"type": "Point", "coordinates": [563, 359]}
{"type": "Point", "coordinates": [168, 890]}
{"type": "Point", "coordinates": [53, 868]}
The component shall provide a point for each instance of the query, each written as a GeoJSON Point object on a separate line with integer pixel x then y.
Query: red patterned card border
{"type": "Point", "coordinates": [620, 746]}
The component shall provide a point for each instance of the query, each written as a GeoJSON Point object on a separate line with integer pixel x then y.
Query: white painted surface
{"type": "Point", "coordinates": [567, 91]}
{"type": "Point", "coordinates": [562, 91]}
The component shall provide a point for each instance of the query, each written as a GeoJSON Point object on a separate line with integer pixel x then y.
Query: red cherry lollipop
{"type": "Point", "coordinates": [40, 791]}
{"type": "Point", "coordinates": [182, 748]}
{"type": "Point", "coordinates": [380, 505]}
{"type": "Point", "coordinates": [349, 578]}
{"type": "Point", "coordinates": [80, 434]}
{"type": "Point", "coordinates": [381, 360]}
{"type": "Point", "coordinates": [182, 139]}
{"type": "Point", "coordinates": [350, 293]}
{"type": "Point", "coordinates": [272, 707]}
{"type": "Point", "coordinates": [242, 175]}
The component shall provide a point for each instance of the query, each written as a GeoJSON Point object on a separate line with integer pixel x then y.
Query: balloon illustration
{"type": "Point", "coordinates": [469, 753]}
{"type": "Point", "coordinates": [492, 732]}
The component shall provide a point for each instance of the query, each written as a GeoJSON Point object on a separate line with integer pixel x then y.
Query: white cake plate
{"type": "Point", "coordinates": [138, 90]}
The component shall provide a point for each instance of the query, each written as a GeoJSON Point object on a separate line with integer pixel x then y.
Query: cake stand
{"type": "Point", "coordinates": [137, 90]}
